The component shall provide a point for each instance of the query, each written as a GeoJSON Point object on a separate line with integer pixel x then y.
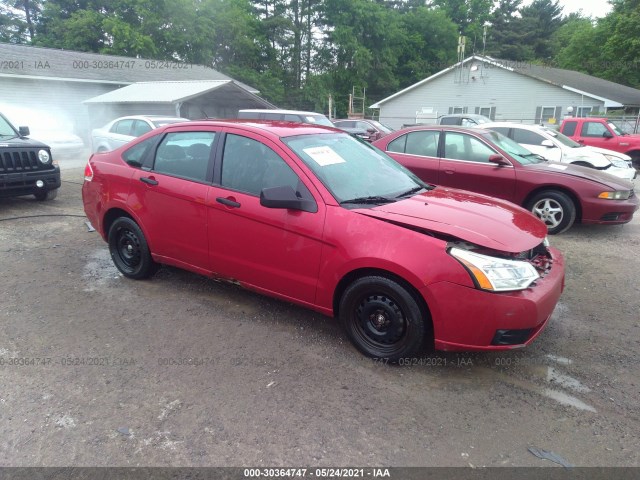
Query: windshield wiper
{"type": "Point", "coordinates": [374, 199]}
{"type": "Point", "coordinates": [410, 192]}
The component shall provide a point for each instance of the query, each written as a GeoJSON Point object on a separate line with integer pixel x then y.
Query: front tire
{"type": "Point", "coordinates": [555, 209]}
{"type": "Point", "coordinates": [43, 195]}
{"type": "Point", "coordinates": [382, 318]}
{"type": "Point", "coordinates": [129, 249]}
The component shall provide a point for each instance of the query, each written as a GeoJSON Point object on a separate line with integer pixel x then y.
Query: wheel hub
{"type": "Point", "coordinates": [381, 319]}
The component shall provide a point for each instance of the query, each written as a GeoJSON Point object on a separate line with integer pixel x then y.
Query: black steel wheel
{"type": "Point", "coordinates": [129, 249]}
{"type": "Point", "coordinates": [555, 209]}
{"type": "Point", "coordinates": [382, 318]}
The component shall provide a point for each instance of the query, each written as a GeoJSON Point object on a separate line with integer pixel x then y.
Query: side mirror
{"type": "Point", "coordinates": [547, 143]}
{"type": "Point", "coordinates": [23, 131]}
{"type": "Point", "coordinates": [286, 197]}
{"type": "Point", "coordinates": [607, 134]}
{"type": "Point", "coordinates": [498, 159]}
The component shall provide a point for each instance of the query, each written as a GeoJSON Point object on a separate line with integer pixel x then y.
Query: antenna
{"type": "Point", "coordinates": [461, 47]}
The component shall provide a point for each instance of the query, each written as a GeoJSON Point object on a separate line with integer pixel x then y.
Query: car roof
{"type": "Point", "coordinates": [149, 117]}
{"type": "Point", "coordinates": [466, 115]}
{"type": "Point", "coordinates": [524, 126]}
{"type": "Point", "coordinates": [268, 110]}
{"type": "Point", "coordinates": [455, 128]}
{"type": "Point", "coordinates": [278, 128]}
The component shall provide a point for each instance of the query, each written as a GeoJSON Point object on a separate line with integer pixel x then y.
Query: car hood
{"type": "Point", "coordinates": [604, 151]}
{"type": "Point", "coordinates": [23, 142]}
{"type": "Point", "coordinates": [472, 217]}
{"type": "Point", "coordinates": [586, 173]}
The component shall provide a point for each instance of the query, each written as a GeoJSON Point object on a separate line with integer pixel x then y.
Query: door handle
{"type": "Point", "coordinates": [228, 202]}
{"type": "Point", "coordinates": [148, 181]}
{"type": "Point", "coordinates": [449, 172]}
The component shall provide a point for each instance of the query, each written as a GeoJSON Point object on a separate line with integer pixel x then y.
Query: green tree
{"type": "Point", "coordinates": [428, 45]}
{"type": "Point", "coordinates": [470, 16]}
{"type": "Point", "coordinates": [506, 34]}
{"type": "Point", "coordinates": [542, 18]}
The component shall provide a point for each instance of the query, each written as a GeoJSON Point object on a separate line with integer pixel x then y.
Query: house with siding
{"type": "Point", "coordinates": [506, 91]}
{"type": "Point", "coordinates": [59, 81]}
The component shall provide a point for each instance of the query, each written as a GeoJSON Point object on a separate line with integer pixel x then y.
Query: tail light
{"type": "Point", "coordinates": [88, 173]}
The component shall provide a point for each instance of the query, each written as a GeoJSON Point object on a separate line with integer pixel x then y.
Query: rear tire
{"type": "Point", "coordinates": [43, 195]}
{"type": "Point", "coordinates": [555, 209]}
{"type": "Point", "coordinates": [382, 319]}
{"type": "Point", "coordinates": [129, 249]}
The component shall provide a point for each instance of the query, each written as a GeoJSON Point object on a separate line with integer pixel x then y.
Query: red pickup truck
{"type": "Point", "coordinates": [600, 132]}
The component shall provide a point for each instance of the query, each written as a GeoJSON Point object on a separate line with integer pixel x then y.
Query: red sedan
{"type": "Point", "coordinates": [487, 162]}
{"type": "Point", "coordinates": [313, 216]}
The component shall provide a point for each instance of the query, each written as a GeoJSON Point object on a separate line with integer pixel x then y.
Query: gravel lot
{"type": "Point", "coordinates": [180, 370]}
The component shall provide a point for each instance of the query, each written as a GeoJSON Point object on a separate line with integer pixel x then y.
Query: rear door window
{"type": "Point", "coordinates": [185, 154]}
{"type": "Point", "coordinates": [123, 127]}
{"type": "Point", "coordinates": [527, 137]}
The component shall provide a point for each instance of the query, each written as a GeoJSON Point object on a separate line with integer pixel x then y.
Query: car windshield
{"type": "Point", "coordinates": [563, 139]}
{"type": "Point", "coordinates": [354, 172]}
{"type": "Point", "coordinates": [615, 128]}
{"type": "Point", "coordinates": [521, 154]}
{"type": "Point", "coordinates": [480, 119]}
{"type": "Point", "coordinates": [318, 120]}
{"type": "Point", "coordinates": [381, 126]}
{"type": "Point", "coordinates": [6, 130]}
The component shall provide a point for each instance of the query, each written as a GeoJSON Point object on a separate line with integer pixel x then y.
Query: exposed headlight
{"type": "Point", "coordinates": [619, 195]}
{"type": "Point", "coordinates": [44, 156]}
{"type": "Point", "coordinates": [496, 274]}
{"type": "Point", "coordinates": [617, 161]}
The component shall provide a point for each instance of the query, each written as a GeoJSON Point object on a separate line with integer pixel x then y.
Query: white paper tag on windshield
{"type": "Point", "coordinates": [324, 156]}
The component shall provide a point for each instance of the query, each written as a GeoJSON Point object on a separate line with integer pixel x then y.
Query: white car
{"type": "Point", "coordinates": [556, 147]}
{"type": "Point", "coordinates": [124, 129]}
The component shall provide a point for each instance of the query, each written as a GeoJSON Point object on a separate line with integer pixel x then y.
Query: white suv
{"type": "Point", "coordinates": [556, 147]}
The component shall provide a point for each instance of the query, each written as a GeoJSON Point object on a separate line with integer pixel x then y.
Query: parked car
{"type": "Point", "coordinates": [316, 217]}
{"type": "Point", "coordinates": [602, 133]}
{"type": "Point", "coordinates": [463, 119]}
{"type": "Point", "coordinates": [487, 162]}
{"type": "Point", "coordinates": [556, 147]}
{"type": "Point", "coordinates": [26, 165]}
{"type": "Point", "coordinates": [369, 130]}
{"type": "Point", "coordinates": [122, 130]}
{"type": "Point", "coordinates": [285, 116]}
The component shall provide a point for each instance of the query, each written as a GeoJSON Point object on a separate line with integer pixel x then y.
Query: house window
{"type": "Point", "coordinates": [583, 111]}
{"type": "Point", "coordinates": [486, 111]}
{"type": "Point", "coordinates": [548, 113]}
{"type": "Point", "coordinates": [458, 110]}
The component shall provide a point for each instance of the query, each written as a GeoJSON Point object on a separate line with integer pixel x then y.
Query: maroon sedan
{"type": "Point", "coordinates": [314, 216]}
{"type": "Point", "coordinates": [487, 162]}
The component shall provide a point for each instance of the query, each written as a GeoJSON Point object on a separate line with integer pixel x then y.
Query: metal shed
{"type": "Point", "coordinates": [189, 99]}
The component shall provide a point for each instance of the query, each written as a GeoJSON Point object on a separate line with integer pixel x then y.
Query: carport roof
{"type": "Point", "coordinates": [54, 64]}
{"type": "Point", "coordinates": [173, 92]}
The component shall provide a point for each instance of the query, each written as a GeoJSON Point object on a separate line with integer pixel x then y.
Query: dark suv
{"type": "Point", "coordinates": [369, 130]}
{"type": "Point", "coordinates": [26, 166]}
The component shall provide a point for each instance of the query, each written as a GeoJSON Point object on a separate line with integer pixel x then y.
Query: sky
{"type": "Point", "coordinates": [593, 8]}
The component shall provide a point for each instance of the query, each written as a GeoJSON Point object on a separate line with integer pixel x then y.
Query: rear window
{"type": "Point", "coordinates": [450, 121]}
{"type": "Point", "coordinates": [569, 128]}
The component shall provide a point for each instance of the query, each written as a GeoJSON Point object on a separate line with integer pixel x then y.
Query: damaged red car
{"type": "Point", "coordinates": [313, 216]}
